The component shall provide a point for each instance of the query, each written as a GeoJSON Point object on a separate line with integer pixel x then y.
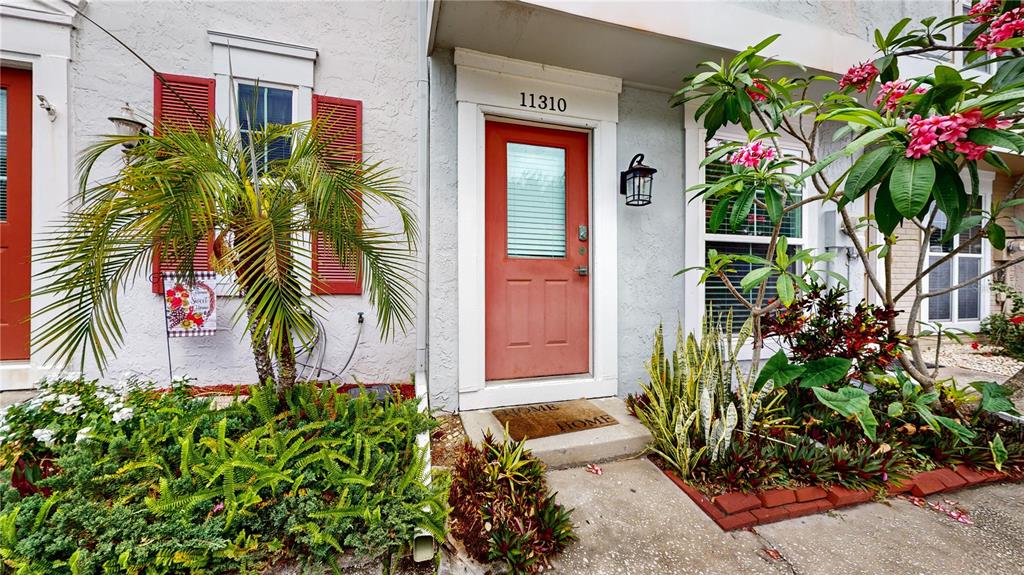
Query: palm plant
{"type": "Point", "coordinates": [179, 186]}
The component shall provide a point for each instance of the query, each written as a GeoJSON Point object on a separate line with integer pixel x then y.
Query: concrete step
{"type": "Point", "coordinates": [622, 441]}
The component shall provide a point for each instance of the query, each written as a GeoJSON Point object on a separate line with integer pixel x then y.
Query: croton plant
{"type": "Point", "coordinates": [905, 139]}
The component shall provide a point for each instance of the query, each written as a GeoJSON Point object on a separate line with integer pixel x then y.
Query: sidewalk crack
{"type": "Point", "coordinates": [767, 546]}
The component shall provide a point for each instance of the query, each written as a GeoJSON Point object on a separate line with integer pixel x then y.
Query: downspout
{"type": "Point", "coordinates": [423, 543]}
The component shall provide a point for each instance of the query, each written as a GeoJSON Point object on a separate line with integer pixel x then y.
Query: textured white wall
{"type": "Point", "coordinates": [367, 51]}
{"type": "Point", "coordinates": [442, 275]}
{"type": "Point", "coordinates": [650, 238]}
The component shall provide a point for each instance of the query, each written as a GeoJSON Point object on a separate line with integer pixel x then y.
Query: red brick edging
{"type": "Point", "coordinates": [737, 510]}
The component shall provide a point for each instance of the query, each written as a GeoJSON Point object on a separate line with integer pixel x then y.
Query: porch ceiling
{"type": "Point", "coordinates": [546, 36]}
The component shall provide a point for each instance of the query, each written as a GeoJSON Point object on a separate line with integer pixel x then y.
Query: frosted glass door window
{"type": "Point", "coordinates": [3, 155]}
{"type": "Point", "coordinates": [535, 189]}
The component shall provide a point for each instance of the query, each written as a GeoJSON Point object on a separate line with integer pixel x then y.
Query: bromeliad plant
{"type": "Point", "coordinates": [908, 137]}
{"type": "Point", "coordinates": [181, 186]}
{"type": "Point", "coordinates": [502, 510]}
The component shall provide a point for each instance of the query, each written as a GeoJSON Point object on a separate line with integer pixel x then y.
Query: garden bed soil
{"type": "Point", "coordinates": [737, 510]}
{"type": "Point", "coordinates": [445, 440]}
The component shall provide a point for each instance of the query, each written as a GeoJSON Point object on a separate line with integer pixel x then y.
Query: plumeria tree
{"type": "Point", "coordinates": [906, 140]}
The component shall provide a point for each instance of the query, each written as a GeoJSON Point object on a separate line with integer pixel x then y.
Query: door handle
{"type": "Point", "coordinates": [582, 270]}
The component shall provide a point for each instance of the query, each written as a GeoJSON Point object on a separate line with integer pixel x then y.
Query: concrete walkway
{"type": "Point", "coordinates": [633, 521]}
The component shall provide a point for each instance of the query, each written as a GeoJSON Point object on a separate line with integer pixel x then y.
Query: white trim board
{"type": "Point", "coordinates": [491, 86]}
{"type": "Point", "coordinates": [37, 37]}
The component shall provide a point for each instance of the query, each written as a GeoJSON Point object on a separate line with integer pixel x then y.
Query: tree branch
{"type": "Point", "coordinates": [976, 279]}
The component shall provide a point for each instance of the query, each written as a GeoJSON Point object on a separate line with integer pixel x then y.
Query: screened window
{"type": "Point", "coordinates": [751, 238]}
{"type": "Point", "coordinates": [259, 106]}
{"type": "Point", "coordinates": [536, 201]}
{"type": "Point", "coordinates": [963, 304]}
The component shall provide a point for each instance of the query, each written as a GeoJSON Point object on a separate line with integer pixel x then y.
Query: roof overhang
{"type": "Point", "coordinates": [645, 43]}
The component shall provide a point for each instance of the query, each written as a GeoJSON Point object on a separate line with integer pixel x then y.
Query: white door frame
{"type": "Point", "coordinates": [494, 86]}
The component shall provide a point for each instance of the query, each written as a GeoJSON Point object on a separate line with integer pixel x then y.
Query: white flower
{"type": "Point", "coordinates": [123, 414]}
{"type": "Point", "coordinates": [67, 404]}
{"type": "Point", "coordinates": [82, 434]}
{"type": "Point", "coordinates": [44, 436]}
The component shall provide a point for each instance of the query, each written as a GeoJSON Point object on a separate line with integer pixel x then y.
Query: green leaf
{"type": "Point", "coordinates": [865, 170]}
{"type": "Point", "coordinates": [779, 370]}
{"type": "Point", "coordinates": [948, 193]}
{"type": "Point", "coordinates": [849, 150]}
{"type": "Point", "coordinates": [773, 200]}
{"type": "Point", "coordinates": [895, 409]}
{"type": "Point", "coordinates": [998, 138]}
{"type": "Point", "coordinates": [850, 402]}
{"type": "Point", "coordinates": [825, 371]}
{"type": "Point", "coordinates": [910, 185]}
{"type": "Point", "coordinates": [718, 215]}
{"type": "Point", "coordinates": [996, 236]}
{"type": "Point", "coordinates": [998, 450]}
{"type": "Point", "coordinates": [784, 286]}
{"type": "Point", "coordinates": [995, 398]}
{"type": "Point", "coordinates": [959, 430]}
{"type": "Point", "coordinates": [754, 278]}
{"type": "Point", "coordinates": [741, 209]}
{"type": "Point", "coordinates": [886, 215]}
{"type": "Point", "coordinates": [946, 75]}
{"type": "Point", "coordinates": [997, 162]}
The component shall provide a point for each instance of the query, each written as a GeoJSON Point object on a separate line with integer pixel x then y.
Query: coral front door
{"type": "Point", "coordinates": [15, 211]}
{"type": "Point", "coordinates": [537, 252]}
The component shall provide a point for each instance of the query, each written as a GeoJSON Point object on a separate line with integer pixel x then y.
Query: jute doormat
{"type": "Point", "coordinates": [544, 419]}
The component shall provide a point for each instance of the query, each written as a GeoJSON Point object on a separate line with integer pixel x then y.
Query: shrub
{"type": "Point", "coordinates": [502, 510]}
{"type": "Point", "coordinates": [177, 486]}
{"type": "Point", "coordinates": [819, 325]}
{"type": "Point", "coordinates": [1006, 331]}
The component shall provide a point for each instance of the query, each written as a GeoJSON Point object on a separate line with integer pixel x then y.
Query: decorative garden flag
{"type": "Point", "coordinates": [190, 309]}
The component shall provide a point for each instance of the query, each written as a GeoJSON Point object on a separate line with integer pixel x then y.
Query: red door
{"type": "Point", "coordinates": [537, 253]}
{"type": "Point", "coordinates": [15, 212]}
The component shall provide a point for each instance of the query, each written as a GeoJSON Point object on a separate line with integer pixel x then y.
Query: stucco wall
{"type": "Point", "coordinates": [442, 276]}
{"type": "Point", "coordinates": [651, 237]}
{"type": "Point", "coordinates": [367, 51]}
{"type": "Point", "coordinates": [853, 17]}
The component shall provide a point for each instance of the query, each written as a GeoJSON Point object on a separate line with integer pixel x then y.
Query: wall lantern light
{"type": "Point", "coordinates": [127, 125]}
{"type": "Point", "coordinates": [636, 182]}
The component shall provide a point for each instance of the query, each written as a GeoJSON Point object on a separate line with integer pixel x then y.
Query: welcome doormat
{"type": "Point", "coordinates": [544, 419]}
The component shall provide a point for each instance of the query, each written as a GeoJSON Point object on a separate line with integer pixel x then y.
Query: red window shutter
{"type": "Point", "coordinates": [342, 122]}
{"type": "Point", "coordinates": [188, 106]}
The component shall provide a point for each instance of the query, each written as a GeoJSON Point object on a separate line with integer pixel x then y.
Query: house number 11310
{"type": "Point", "coordinates": [542, 102]}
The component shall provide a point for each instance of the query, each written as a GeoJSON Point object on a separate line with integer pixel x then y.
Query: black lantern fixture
{"type": "Point", "coordinates": [636, 182]}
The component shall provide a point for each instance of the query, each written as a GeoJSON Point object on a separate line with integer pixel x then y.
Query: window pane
{"type": "Point", "coordinates": [935, 240]}
{"type": "Point", "coordinates": [968, 297]}
{"type": "Point", "coordinates": [535, 189]}
{"type": "Point", "coordinates": [939, 307]}
{"type": "Point", "coordinates": [718, 300]}
{"type": "Point", "coordinates": [3, 155]}
{"type": "Point", "coordinates": [256, 107]}
{"type": "Point", "coordinates": [758, 223]}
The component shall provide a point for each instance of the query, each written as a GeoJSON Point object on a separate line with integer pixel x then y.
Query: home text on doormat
{"type": "Point", "coordinates": [544, 419]}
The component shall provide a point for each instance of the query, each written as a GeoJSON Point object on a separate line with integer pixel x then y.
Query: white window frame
{"type": "Point", "coordinates": [695, 236]}
{"type": "Point", "coordinates": [248, 60]}
{"type": "Point", "coordinates": [257, 84]}
{"type": "Point", "coordinates": [985, 181]}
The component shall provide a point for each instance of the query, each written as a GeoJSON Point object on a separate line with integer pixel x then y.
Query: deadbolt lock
{"type": "Point", "coordinates": [583, 233]}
